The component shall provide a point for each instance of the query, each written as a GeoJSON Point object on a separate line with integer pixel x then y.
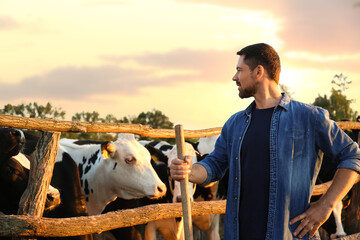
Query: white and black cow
{"type": "Point", "coordinates": [209, 224]}
{"type": "Point", "coordinates": [15, 174]}
{"type": "Point", "coordinates": [134, 232]}
{"type": "Point", "coordinates": [169, 229]}
{"type": "Point", "coordinates": [113, 169]}
{"type": "Point", "coordinates": [139, 232]}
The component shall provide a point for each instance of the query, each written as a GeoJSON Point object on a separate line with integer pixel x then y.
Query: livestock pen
{"type": "Point", "coordinates": [30, 223]}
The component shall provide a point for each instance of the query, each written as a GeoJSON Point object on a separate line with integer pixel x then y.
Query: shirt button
{"type": "Point", "coordinates": [240, 137]}
{"type": "Point", "coordinates": [235, 219]}
{"type": "Point", "coordinates": [235, 198]}
{"type": "Point", "coordinates": [236, 178]}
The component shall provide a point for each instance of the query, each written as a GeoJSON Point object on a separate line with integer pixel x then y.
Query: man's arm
{"type": "Point", "coordinates": [320, 210]}
{"type": "Point", "coordinates": [179, 169]}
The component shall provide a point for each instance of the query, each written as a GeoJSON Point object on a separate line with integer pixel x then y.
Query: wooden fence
{"type": "Point", "coordinates": [30, 222]}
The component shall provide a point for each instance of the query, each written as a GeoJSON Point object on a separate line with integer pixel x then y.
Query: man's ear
{"type": "Point", "coordinates": [260, 71]}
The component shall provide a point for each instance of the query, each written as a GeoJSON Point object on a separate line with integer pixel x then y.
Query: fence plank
{"type": "Point", "coordinates": [32, 202]}
{"type": "Point", "coordinates": [95, 127]}
{"type": "Point", "coordinates": [36, 226]}
{"type": "Point", "coordinates": [33, 199]}
{"type": "Point", "coordinates": [350, 237]}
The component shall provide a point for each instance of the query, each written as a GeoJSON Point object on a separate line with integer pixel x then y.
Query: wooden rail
{"type": "Point", "coordinates": [21, 225]}
{"type": "Point", "coordinates": [95, 127]}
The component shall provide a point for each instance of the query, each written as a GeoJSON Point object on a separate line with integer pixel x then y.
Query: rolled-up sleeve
{"type": "Point", "coordinates": [332, 140]}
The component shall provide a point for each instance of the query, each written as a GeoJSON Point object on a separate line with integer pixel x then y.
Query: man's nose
{"type": "Point", "coordinates": [235, 78]}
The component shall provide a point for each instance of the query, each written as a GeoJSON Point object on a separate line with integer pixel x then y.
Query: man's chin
{"type": "Point", "coordinates": [243, 95]}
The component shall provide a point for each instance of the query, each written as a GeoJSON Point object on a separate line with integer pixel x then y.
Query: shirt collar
{"type": "Point", "coordinates": [284, 103]}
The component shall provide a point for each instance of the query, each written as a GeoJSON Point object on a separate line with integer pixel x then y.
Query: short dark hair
{"type": "Point", "coordinates": [262, 54]}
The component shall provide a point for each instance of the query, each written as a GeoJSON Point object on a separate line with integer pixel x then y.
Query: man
{"type": "Point", "coordinates": [271, 150]}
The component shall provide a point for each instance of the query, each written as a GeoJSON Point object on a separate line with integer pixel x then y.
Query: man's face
{"type": "Point", "coordinates": [245, 79]}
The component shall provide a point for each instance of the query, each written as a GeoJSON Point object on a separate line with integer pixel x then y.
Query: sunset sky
{"type": "Point", "coordinates": [123, 57]}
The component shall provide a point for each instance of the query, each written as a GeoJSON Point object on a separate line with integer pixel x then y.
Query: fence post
{"type": "Point", "coordinates": [33, 199]}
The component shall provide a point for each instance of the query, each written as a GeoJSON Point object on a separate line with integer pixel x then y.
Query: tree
{"type": "Point", "coordinates": [155, 119]}
{"type": "Point", "coordinates": [341, 81]}
{"type": "Point", "coordinates": [337, 105]}
{"type": "Point", "coordinates": [34, 110]}
{"type": "Point", "coordinates": [87, 117]}
{"type": "Point", "coordinates": [92, 117]}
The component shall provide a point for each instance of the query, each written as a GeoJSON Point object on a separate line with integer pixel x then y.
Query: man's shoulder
{"type": "Point", "coordinates": [297, 105]}
{"type": "Point", "coordinates": [237, 115]}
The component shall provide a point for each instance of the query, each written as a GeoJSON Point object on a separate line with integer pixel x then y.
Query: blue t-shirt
{"type": "Point", "coordinates": [255, 176]}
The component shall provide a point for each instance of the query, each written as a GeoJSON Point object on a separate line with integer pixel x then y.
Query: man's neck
{"type": "Point", "coordinates": [268, 97]}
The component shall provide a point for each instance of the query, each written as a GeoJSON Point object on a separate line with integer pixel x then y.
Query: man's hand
{"type": "Point", "coordinates": [320, 211]}
{"type": "Point", "coordinates": [312, 219]}
{"type": "Point", "coordinates": [179, 169]}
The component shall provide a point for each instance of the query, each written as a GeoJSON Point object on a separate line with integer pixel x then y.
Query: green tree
{"type": "Point", "coordinates": [91, 117]}
{"type": "Point", "coordinates": [110, 118]}
{"type": "Point", "coordinates": [87, 117]}
{"type": "Point", "coordinates": [337, 105]}
{"type": "Point", "coordinates": [155, 119]}
{"type": "Point", "coordinates": [34, 110]}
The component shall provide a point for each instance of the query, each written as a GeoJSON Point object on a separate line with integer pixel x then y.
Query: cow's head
{"type": "Point", "coordinates": [14, 173]}
{"type": "Point", "coordinates": [11, 142]}
{"type": "Point", "coordinates": [132, 173]}
{"type": "Point", "coordinates": [121, 168]}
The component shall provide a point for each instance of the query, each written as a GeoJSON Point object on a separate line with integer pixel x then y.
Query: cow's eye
{"type": "Point", "coordinates": [130, 160]}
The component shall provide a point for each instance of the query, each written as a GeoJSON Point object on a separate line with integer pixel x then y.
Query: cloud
{"type": "Point", "coordinates": [8, 23]}
{"type": "Point", "coordinates": [167, 69]}
{"type": "Point", "coordinates": [319, 26]}
{"type": "Point", "coordinates": [336, 62]}
{"type": "Point", "coordinates": [180, 59]}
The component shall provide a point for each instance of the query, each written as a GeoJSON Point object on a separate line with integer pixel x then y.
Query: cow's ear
{"type": "Point", "coordinates": [107, 150]}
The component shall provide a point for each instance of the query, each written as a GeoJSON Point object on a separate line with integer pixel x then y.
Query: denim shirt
{"type": "Point", "coordinates": [297, 132]}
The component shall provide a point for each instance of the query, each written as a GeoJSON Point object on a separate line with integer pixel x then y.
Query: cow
{"type": "Point", "coordinates": [209, 224]}
{"type": "Point", "coordinates": [139, 232]}
{"type": "Point", "coordinates": [169, 229]}
{"type": "Point", "coordinates": [113, 169]}
{"type": "Point", "coordinates": [15, 174]}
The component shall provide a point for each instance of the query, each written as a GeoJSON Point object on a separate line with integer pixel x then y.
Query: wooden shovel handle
{"type": "Point", "coordinates": [184, 184]}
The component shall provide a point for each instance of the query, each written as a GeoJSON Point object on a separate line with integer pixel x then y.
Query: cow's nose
{"type": "Point", "coordinates": [161, 189]}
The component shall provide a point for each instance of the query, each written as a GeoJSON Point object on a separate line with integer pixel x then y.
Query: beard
{"type": "Point", "coordinates": [247, 92]}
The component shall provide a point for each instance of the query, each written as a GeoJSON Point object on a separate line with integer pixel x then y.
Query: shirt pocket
{"type": "Point", "coordinates": [297, 140]}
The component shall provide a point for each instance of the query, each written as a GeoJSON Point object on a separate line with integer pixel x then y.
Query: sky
{"type": "Point", "coordinates": [124, 57]}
